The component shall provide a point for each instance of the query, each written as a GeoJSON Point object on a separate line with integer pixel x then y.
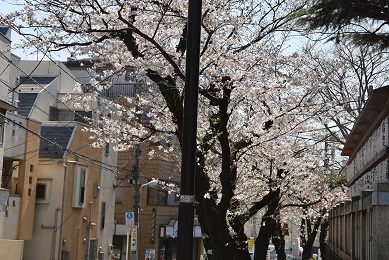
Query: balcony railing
{"type": "Point", "coordinates": [115, 91]}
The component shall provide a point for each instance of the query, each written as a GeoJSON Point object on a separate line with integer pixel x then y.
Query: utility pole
{"type": "Point", "coordinates": [137, 201]}
{"type": "Point", "coordinates": [186, 207]}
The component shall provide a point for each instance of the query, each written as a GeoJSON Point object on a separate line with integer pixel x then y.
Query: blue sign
{"type": "Point", "coordinates": [129, 218]}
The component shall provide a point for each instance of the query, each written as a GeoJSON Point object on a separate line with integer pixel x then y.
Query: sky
{"type": "Point", "coordinates": [6, 6]}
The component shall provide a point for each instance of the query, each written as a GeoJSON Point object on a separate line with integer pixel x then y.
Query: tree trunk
{"type": "Point", "coordinates": [266, 230]}
{"type": "Point", "coordinates": [262, 240]}
{"type": "Point", "coordinates": [240, 239]}
{"type": "Point", "coordinates": [279, 242]}
{"type": "Point", "coordinates": [311, 239]}
{"type": "Point", "coordinates": [323, 239]}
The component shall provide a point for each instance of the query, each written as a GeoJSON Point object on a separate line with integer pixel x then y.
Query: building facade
{"type": "Point", "coordinates": [358, 228]}
{"type": "Point", "coordinates": [12, 220]}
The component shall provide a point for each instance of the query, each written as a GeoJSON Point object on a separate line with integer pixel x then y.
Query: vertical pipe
{"type": "Point", "coordinates": [128, 238]}
{"type": "Point", "coordinates": [63, 208]}
{"type": "Point", "coordinates": [186, 206]}
{"type": "Point", "coordinates": [89, 231]}
{"type": "Point", "coordinates": [137, 196]}
{"type": "Point", "coordinates": [55, 232]}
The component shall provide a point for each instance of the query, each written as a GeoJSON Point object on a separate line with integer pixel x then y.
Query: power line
{"type": "Point", "coordinates": [43, 88]}
{"type": "Point", "coordinates": [61, 69]}
{"type": "Point", "coordinates": [78, 155]}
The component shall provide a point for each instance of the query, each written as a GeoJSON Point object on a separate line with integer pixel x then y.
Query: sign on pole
{"type": "Point", "coordinates": [134, 240]}
{"type": "Point", "coordinates": [129, 218]}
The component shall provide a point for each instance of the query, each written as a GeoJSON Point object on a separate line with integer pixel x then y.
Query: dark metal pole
{"type": "Point", "coordinates": [137, 201]}
{"type": "Point", "coordinates": [186, 207]}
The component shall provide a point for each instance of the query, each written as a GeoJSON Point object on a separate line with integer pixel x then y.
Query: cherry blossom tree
{"type": "Point", "coordinates": [348, 73]}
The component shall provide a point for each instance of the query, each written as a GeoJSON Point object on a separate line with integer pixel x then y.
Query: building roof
{"type": "Point", "coordinates": [55, 141]}
{"type": "Point", "coordinates": [372, 114]}
{"type": "Point", "coordinates": [26, 102]}
{"type": "Point", "coordinates": [4, 30]}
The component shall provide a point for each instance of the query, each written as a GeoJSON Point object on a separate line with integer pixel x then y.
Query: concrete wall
{"type": "Point", "coordinates": [40, 246]}
{"type": "Point", "coordinates": [9, 220]}
{"type": "Point", "coordinates": [46, 99]}
{"type": "Point", "coordinates": [5, 56]}
{"type": "Point", "coordinates": [27, 177]}
{"type": "Point", "coordinates": [47, 93]}
{"type": "Point", "coordinates": [107, 195]}
{"type": "Point", "coordinates": [11, 249]}
{"type": "Point", "coordinates": [5, 44]}
{"type": "Point", "coordinates": [359, 229]}
{"type": "Point", "coordinates": [16, 137]}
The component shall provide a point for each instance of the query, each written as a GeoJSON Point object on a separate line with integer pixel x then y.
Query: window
{"type": "Point", "coordinates": [162, 197]}
{"type": "Point", "coordinates": [82, 187]}
{"type": "Point", "coordinates": [172, 199]}
{"type": "Point", "coordinates": [106, 149]}
{"type": "Point", "coordinates": [53, 114]}
{"type": "Point", "coordinates": [118, 196]}
{"type": "Point", "coordinates": [67, 115]}
{"type": "Point", "coordinates": [99, 74]}
{"type": "Point", "coordinates": [130, 76]}
{"type": "Point", "coordinates": [157, 197]}
{"type": "Point", "coordinates": [83, 116]}
{"type": "Point", "coordinates": [2, 132]}
{"type": "Point", "coordinates": [79, 190]}
{"type": "Point", "coordinates": [40, 191]}
{"type": "Point", "coordinates": [102, 220]}
{"type": "Point", "coordinates": [144, 118]}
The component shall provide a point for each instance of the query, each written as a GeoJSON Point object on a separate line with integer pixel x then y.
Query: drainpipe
{"type": "Point", "coordinates": [65, 185]}
{"type": "Point", "coordinates": [55, 227]}
{"type": "Point", "coordinates": [90, 225]}
{"type": "Point", "coordinates": [55, 231]}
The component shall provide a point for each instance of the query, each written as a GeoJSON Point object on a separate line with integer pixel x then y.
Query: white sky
{"type": "Point", "coordinates": [6, 6]}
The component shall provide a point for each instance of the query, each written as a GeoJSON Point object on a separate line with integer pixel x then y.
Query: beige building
{"type": "Point", "coordinates": [68, 199]}
{"type": "Point", "coordinates": [62, 196]}
{"type": "Point", "coordinates": [11, 219]}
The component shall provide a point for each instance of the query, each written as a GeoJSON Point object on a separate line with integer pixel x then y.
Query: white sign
{"type": "Point", "coordinates": [129, 218]}
{"type": "Point", "coordinates": [134, 240]}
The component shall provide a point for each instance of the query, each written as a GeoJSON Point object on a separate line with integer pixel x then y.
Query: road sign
{"type": "Point", "coordinates": [129, 218]}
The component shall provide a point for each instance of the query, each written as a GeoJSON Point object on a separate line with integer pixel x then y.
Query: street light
{"type": "Point", "coordinates": [150, 184]}
{"type": "Point", "coordinates": [137, 204]}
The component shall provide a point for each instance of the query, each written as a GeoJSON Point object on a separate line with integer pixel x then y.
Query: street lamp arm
{"type": "Point", "coordinates": [150, 184]}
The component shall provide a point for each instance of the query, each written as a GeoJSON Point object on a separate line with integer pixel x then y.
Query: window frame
{"type": "Point", "coordinates": [47, 184]}
{"type": "Point", "coordinates": [163, 196]}
{"type": "Point", "coordinates": [80, 186]}
{"type": "Point", "coordinates": [103, 214]}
